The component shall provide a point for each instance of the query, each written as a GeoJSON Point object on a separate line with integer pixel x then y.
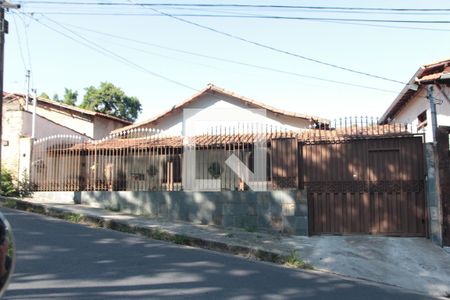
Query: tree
{"type": "Point", "coordinates": [111, 100]}
{"type": "Point", "coordinates": [70, 97]}
{"type": "Point", "coordinates": [44, 95]}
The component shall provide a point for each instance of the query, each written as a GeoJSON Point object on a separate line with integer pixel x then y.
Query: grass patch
{"type": "Point", "coordinates": [74, 218]}
{"type": "Point", "coordinates": [180, 239]}
{"type": "Point", "coordinates": [250, 228]}
{"type": "Point", "coordinates": [157, 234]}
{"type": "Point", "coordinates": [9, 203]}
{"type": "Point", "coordinates": [229, 235]}
{"type": "Point", "coordinates": [293, 260]}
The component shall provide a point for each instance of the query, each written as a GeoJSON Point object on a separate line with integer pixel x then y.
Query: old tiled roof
{"type": "Point", "coordinates": [62, 106]}
{"type": "Point", "coordinates": [212, 89]}
{"type": "Point", "coordinates": [235, 139]}
{"type": "Point", "coordinates": [438, 72]}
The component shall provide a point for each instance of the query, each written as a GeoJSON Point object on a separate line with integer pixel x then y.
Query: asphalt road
{"type": "Point", "coordinates": [60, 260]}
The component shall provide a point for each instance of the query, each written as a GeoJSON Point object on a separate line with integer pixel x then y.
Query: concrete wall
{"type": "Point", "coordinates": [103, 126]}
{"type": "Point", "coordinates": [275, 211]}
{"type": "Point", "coordinates": [12, 131]}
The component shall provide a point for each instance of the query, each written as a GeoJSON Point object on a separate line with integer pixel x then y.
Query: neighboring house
{"type": "Point", "coordinates": [52, 118]}
{"type": "Point", "coordinates": [214, 107]}
{"type": "Point", "coordinates": [412, 105]}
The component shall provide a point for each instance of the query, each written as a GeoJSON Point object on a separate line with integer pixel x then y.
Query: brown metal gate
{"type": "Point", "coordinates": [370, 186]}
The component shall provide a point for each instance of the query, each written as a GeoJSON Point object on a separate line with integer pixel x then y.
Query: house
{"type": "Point", "coordinates": [52, 118]}
{"type": "Point", "coordinates": [412, 105]}
{"type": "Point", "coordinates": [214, 107]}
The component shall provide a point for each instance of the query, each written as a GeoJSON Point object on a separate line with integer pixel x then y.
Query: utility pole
{"type": "Point", "coordinates": [33, 124]}
{"type": "Point", "coordinates": [3, 30]}
{"type": "Point", "coordinates": [28, 90]}
{"type": "Point", "coordinates": [433, 111]}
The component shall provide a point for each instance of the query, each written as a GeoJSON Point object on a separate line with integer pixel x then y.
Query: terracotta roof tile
{"type": "Point", "coordinates": [312, 135]}
{"type": "Point", "coordinates": [12, 96]}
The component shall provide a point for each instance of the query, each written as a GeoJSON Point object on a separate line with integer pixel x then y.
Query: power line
{"type": "Point", "coordinates": [271, 17]}
{"type": "Point", "coordinates": [231, 61]}
{"type": "Point", "coordinates": [276, 49]}
{"type": "Point", "coordinates": [27, 43]}
{"type": "Point", "coordinates": [239, 6]}
{"type": "Point", "coordinates": [19, 41]}
{"type": "Point", "coordinates": [94, 46]}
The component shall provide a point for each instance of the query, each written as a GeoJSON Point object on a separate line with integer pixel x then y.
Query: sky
{"type": "Point", "coordinates": [150, 53]}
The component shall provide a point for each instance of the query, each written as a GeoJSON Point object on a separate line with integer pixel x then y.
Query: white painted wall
{"type": "Point", "coordinates": [44, 127]}
{"type": "Point", "coordinates": [221, 110]}
{"type": "Point", "coordinates": [82, 124]}
{"type": "Point", "coordinates": [15, 136]}
{"type": "Point", "coordinates": [418, 104]}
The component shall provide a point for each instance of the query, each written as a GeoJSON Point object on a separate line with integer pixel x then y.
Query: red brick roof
{"type": "Point", "coordinates": [155, 141]}
{"type": "Point", "coordinates": [62, 106]}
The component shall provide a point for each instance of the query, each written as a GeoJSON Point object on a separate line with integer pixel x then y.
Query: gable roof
{"type": "Point", "coordinates": [212, 89]}
{"type": "Point", "coordinates": [65, 107]}
{"type": "Point", "coordinates": [437, 72]}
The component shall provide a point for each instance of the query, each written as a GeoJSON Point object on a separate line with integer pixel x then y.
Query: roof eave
{"type": "Point", "coordinates": [393, 109]}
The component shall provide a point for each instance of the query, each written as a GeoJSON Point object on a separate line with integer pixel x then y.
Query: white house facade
{"type": "Point", "coordinates": [52, 118]}
{"type": "Point", "coordinates": [217, 109]}
{"type": "Point", "coordinates": [412, 105]}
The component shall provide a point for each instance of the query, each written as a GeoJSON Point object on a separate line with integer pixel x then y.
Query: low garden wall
{"type": "Point", "coordinates": [284, 211]}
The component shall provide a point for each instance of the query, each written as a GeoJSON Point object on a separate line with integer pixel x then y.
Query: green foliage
{"type": "Point", "coordinates": [9, 203]}
{"type": "Point", "coordinates": [24, 187]}
{"type": "Point", "coordinates": [229, 235]}
{"type": "Point", "coordinates": [11, 187]}
{"type": "Point", "coordinates": [70, 97]}
{"type": "Point", "coordinates": [111, 100]}
{"type": "Point", "coordinates": [180, 239]}
{"type": "Point", "coordinates": [7, 186]}
{"type": "Point", "coordinates": [157, 234]}
{"type": "Point", "coordinates": [250, 228]}
{"type": "Point", "coordinates": [293, 260]}
{"type": "Point", "coordinates": [75, 218]}
{"type": "Point", "coordinates": [44, 95]}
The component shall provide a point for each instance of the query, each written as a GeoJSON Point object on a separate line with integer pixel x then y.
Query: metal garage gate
{"type": "Point", "coordinates": [370, 186]}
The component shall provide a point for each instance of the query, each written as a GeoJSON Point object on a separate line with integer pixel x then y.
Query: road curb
{"type": "Point", "coordinates": [153, 233]}
{"type": "Point", "coordinates": [158, 233]}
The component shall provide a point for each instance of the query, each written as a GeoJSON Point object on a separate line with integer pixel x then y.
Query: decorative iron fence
{"type": "Point", "coordinates": [150, 160]}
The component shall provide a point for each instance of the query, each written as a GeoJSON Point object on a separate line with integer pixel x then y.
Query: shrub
{"type": "Point", "coordinates": [7, 186]}
{"type": "Point", "coordinates": [11, 187]}
{"type": "Point", "coordinates": [24, 186]}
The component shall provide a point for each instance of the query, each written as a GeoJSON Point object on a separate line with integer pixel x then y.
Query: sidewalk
{"type": "Point", "coordinates": [411, 263]}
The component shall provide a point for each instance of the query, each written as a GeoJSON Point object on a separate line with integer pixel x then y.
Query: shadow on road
{"type": "Point", "coordinates": [59, 260]}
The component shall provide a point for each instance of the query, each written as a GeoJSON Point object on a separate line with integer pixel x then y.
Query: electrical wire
{"type": "Point", "coordinates": [272, 17]}
{"type": "Point", "coordinates": [19, 41]}
{"type": "Point", "coordinates": [221, 59]}
{"type": "Point", "coordinates": [231, 5]}
{"type": "Point", "coordinates": [94, 46]}
{"type": "Point", "coordinates": [274, 48]}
